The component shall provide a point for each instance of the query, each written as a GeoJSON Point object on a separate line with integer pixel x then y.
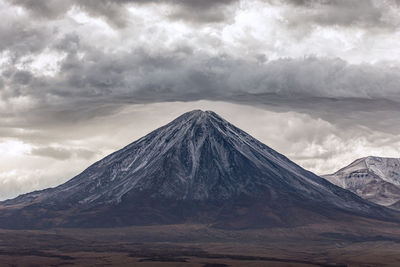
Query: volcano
{"type": "Point", "coordinates": [199, 168]}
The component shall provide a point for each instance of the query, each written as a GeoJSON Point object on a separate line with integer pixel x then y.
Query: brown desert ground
{"type": "Point", "coordinates": [361, 243]}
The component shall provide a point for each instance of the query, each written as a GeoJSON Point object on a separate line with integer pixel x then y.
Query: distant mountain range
{"type": "Point", "coordinates": [373, 178]}
{"type": "Point", "coordinates": [199, 169]}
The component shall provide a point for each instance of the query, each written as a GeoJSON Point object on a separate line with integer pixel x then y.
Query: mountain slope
{"type": "Point", "coordinates": [198, 168]}
{"type": "Point", "coordinates": [373, 178]}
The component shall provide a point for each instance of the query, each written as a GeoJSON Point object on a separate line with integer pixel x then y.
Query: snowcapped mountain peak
{"type": "Point", "coordinates": [198, 115]}
{"type": "Point", "coordinates": [387, 169]}
{"type": "Point", "coordinates": [197, 164]}
{"type": "Point", "coordinates": [374, 178]}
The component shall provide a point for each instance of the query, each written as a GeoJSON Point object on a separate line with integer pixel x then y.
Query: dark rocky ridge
{"type": "Point", "coordinates": [199, 168]}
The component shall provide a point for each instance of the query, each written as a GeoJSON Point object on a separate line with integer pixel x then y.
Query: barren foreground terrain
{"type": "Point", "coordinates": [364, 243]}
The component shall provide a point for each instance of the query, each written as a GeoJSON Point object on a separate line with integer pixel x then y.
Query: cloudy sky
{"type": "Point", "coordinates": [317, 80]}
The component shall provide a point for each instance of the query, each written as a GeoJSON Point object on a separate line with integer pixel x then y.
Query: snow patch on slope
{"type": "Point", "coordinates": [373, 178]}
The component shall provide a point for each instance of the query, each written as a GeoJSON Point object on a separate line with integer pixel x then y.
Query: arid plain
{"type": "Point", "coordinates": [364, 243]}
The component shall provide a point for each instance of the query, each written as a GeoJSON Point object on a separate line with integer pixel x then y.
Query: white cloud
{"type": "Point", "coordinates": [9, 148]}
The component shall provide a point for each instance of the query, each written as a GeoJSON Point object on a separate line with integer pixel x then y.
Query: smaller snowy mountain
{"type": "Point", "coordinates": [373, 178]}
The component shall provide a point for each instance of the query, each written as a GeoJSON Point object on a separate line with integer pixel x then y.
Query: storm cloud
{"type": "Point", "coordinates": [368, 13]}
{"type": "Point", "coordinates": [74, 74]}
{"type": "Point", "coordinates": [114, 11]}
{"type": "Point", "coordinates": [101, 81]}
{"type": "Point", "coordinates": [92, 74]}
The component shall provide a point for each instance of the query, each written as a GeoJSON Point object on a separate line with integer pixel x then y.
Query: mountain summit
{"type": "Point", "coordinates": [376, 179]}
{"type": "Point", "coordinates": [198, 168]}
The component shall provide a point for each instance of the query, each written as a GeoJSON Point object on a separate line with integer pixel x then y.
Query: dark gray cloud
{"type": "Point", "coordinates": [354, 13]}
{"type": "Point", "coordinates": [44, 9]}
{"type": "Point", "coordinates": [207, 11]}
{"type": "Point", "coordinates": [21, 78]}
{"type": "Point", "coordinates": [115, 13]}
{"type": "Point", "coordinates": [100, 83]}
{"type": "Point", "coordinates": [59, 153]}
{"type": "Point", "coordinates": [161, 76]}
{"type": "Point", "coordinates": [112, 11]}
{"type": "Point", "coordinates": [20, 38]}
{"type": "Point", "coordinates": [368, 14]}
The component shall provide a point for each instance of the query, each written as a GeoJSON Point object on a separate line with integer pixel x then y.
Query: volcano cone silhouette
{"type": "Point", "coordinates": [199, 169]}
